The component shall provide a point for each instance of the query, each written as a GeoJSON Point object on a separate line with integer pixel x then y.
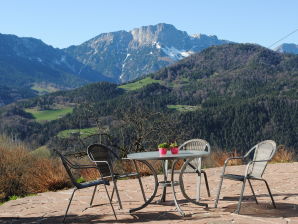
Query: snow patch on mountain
{"type": "Point", "coordinates": [123, 65]}
{"type": "Point", "coordinates": [176, 54]}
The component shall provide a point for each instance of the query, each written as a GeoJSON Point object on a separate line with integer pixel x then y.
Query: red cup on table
{"type": "Point", "coordinates": [162, 151]}
{"type": "Point", "coordinates": [175, 150]}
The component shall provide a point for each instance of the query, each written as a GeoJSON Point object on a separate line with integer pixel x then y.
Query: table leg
{"type": "Point", "coordinates": [198, 187]}
{"type": "Point", "coordinates": [173, 189]}
{"type": "Point", "coordinates": [148, 200]}
{"type": "Point", "coordinates": [165, 177]}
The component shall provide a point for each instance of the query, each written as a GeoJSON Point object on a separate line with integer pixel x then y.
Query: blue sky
{"type": "Point", "coordinates": [62, 23]}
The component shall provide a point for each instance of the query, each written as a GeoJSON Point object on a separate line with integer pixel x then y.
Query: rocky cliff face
{"type": "Point", "coordinates": [124, 56]}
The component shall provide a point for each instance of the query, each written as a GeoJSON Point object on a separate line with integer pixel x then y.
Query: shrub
{"type": "Point", "coordinates": [89, 174]}
{"type": "Point", "coordinates": [42, 152]}
{"type": "Point", "coordinates": [14, 164]}
{"type": "Point", "coordinates": [126, 166]}
{"type": "Point", "coordinates": [47, 175]}
{"type": "Point", "coordinates": [283, 155]}
{"type": "Point", "coordinates": [24, 173]}
{"type": "Point", "coordinates": [218, 158]}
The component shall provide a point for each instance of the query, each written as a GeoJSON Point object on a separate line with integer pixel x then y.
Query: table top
{"type": "Point", "coordinates": [155, 155]}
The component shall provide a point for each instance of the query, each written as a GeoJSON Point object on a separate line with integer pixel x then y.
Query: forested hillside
{"type": "Point", "coordinates": [231, 95]}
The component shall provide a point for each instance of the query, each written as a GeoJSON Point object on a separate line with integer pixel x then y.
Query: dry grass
{"type": "Point", "coordinates": [23, 173]}
{"type": "Point", "coordinates": [47, 175]}
{"type": "Point", "coordinates": [218, 158]}
{"type": "Point", "coordinates": [127, 166]}
{"type": "Point", "coordinates": [283, 155]}
{"type": "Point", "coordinates": [90, 174]}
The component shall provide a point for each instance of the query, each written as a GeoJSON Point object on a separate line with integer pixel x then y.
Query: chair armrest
{"type": "Point", "coordinates": [257, 161]}
{"type": "Point", "coordinates": [98, 161]}
{"type": "Point", "coordinates": [226, 163]}
{"type": "Point", "coordinates": [79, 154]}
{"type": "Point", "coordinates": [74, 166]}
{"type": "Point", "coordinates": [126, 159]}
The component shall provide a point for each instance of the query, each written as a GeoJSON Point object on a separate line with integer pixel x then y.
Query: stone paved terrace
{"type": "Point", "coordinates": [49, 207]}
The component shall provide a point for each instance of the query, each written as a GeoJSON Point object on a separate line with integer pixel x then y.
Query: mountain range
{"type": "Point", "coordinates": [232, 95]}
{"type": "Point", "coordinates": [29, 67]}
{"type": "Point", "coordinates": [125, 56]}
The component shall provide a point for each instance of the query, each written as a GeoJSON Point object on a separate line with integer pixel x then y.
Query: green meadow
{"type": "Point", "coordinates": [49, 115]}
{"type": "Point", "coordinates": [85, 132]}
{"type": "Point", "coordinates": [183, 108]}
{"type": "Point", "coordinates": [44, 88]}
{"type": "Point", "coordinates": [139, 84]}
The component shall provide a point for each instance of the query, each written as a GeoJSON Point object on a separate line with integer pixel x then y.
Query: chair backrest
{"type": "Point", "coordinates": [196, 144]}
{"type": "Point", "coordinates": [264, 150]}
{"type": "Point", "coordinates": [68, 165]}
{"type": "Point", "coordinates": [105, 157]}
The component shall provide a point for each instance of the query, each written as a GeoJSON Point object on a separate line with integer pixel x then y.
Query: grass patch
{"type": "Point", "coordinates": [41, 152]}
{"type": "Point", "coordinates": [13, 197]}
{"type": "Point", "coordinates": [139, 84]}
{"type": "Point", "coordinates": [82, 132]}
{"type": "Point", "coordinates": [80, 180]}
{"type": "Point", "coordinates": [43, 88]}
{"type": "Point", "coordinates": [183, 108]}
{"type": "Point", "coordinates": [49, 115]}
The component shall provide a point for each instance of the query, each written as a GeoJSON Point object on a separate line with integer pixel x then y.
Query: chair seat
{"type": "Point", "coordinates": [92, 183]}
{"type": "Point", "coordinates": [240, 177]}
{"type": "Point", "coordinates": [233, 177]}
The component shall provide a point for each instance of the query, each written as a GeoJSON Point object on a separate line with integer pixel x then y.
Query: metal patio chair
{"type": "Point", "coordinates": [260, 154]}
{"type": "Point", "coordinates": [194, 166]}
{"type": "Point", "coordinates": [69, 166]}
{"type": "Point", "coordinates": [104, 158]}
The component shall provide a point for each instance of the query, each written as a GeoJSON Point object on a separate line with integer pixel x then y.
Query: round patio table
{"type": "Point", "coordinates": [187, 155]}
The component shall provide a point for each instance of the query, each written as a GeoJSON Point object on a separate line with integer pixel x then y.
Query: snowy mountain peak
{"type": "Point", "coordinates": [288, 48]}
{"type": "Point", "coordinates": [127, 55]}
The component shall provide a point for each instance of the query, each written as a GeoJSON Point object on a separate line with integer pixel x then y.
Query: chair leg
{"type": "Point", "coordinates": [110, 200]}
{"type": "Point", "coordinates": [206, 182]}
{"type": "Point", "coordinates": [93, 195]}
{"type": "Point", "coordinates": [117, 193]}
{"type": "Point", "coordinates": [218, 191]}
{"type": "Point", "coordinates": [253, 192]}
{"type": "Point", "coordinates": [69, 204]}
{"type": "Point", "coordinates": [113, 191]}
{"type": "Point", "coordinates": [198, 188]}
{"type": "Point", "coordinates": [273, 203]}
{"type": "Point", "coordinates": [241, 197]}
